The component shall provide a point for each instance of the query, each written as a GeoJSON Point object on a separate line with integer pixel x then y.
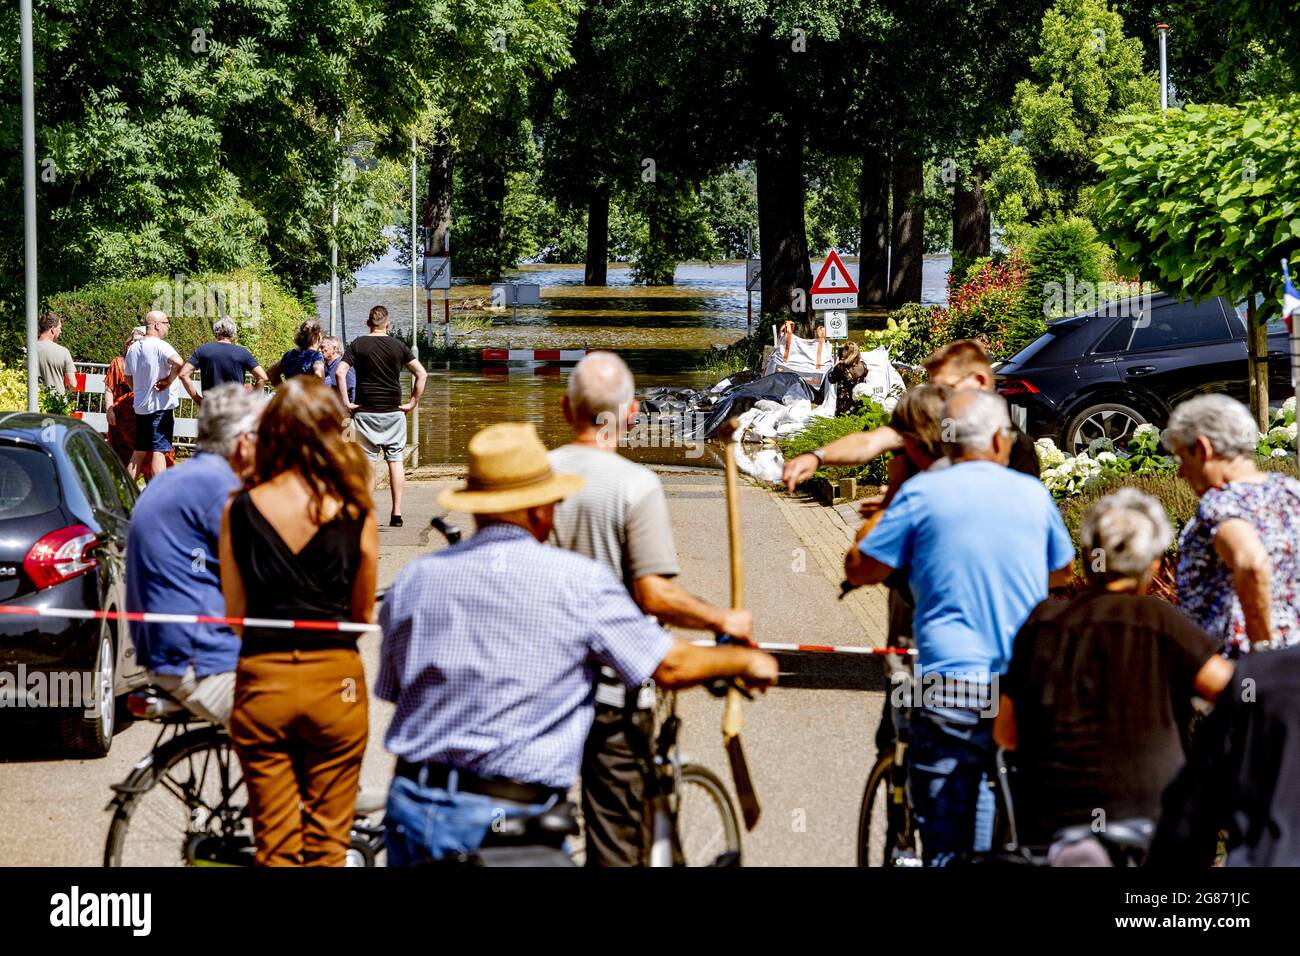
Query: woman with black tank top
{"type": "Point", "coordinates": [300, 542]}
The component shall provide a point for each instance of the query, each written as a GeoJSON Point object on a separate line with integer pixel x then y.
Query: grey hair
{"type": "Point", "coordinates": [1224, 422]}
{"type": "Point", "coordinates": [1123, 533]}
{"type": "Point", "coordinates": [333, 341]}
{"type": "Point", "coordinates": [971, 417]}
{"type": "Point", "coordinates": [227, 412]}
{"type": "Point", "coordinates": [601, 384]}
{"type": "Point", "coordinates": [224, 328]}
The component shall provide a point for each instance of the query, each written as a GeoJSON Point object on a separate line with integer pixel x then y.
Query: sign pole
{"type": "Point", "coordinates": [749, 293]}
{"type": "Point", "coordinates": [29, 197]}
{"type": "Point", "coordinates": [334, 246]}
{"type": "Point", "coordinates": [415, 346]}
{"type": "Point", "coordinates": [446, 293]}
{"type": "Point", "coordinates": [1164, 66]}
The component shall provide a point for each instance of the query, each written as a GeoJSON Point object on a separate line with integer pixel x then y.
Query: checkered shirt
{"type": "Point", "coordinates": [491, 650]}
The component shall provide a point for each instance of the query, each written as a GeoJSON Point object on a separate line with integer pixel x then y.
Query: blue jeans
{"type": "Point", "coordinates": [952, 749]}
{"type": "Point", "coordinates": [426, 824]}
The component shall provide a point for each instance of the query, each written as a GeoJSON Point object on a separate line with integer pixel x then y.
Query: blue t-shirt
{"type": "Point", "coordinates": [299, 362]}
{"type": "Point", "coordinates": [978, 541]}
{"type": "Point", "coordinates": [221, 362]}
{"type": "Point", "coordinates": [171, 566]}
{"type": "Point", "coordinates": [332, 378]}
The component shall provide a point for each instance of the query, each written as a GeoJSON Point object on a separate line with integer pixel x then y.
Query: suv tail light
{"type": "Point", "coordinates": [1016, 386]}
{"type": "Point", "coordinates": [60, 555]}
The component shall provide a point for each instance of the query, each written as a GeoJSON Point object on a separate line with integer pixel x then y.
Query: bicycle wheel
{"type": "Point", "coordinates": [886, 834]}
{"type": "Point", "coordinates": [188, 806]}
{"type": "Point", "coordinates": [707, 825]}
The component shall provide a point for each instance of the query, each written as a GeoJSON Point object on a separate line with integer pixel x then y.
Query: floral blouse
{"type": "Point", "coordinates": [1205, 586]}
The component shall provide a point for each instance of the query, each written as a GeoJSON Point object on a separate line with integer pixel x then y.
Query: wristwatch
{"type": "Point", "coordinates": [819, 454]}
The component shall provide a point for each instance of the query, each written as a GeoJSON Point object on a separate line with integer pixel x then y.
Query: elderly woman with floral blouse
{"type": "Point", "coordinates": [1239, 556]}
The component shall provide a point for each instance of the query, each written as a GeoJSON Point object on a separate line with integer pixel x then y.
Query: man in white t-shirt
{"type": "Point", "coordinates": [620, 518]}
{"type": "Point", "coordinates": [153, 367]}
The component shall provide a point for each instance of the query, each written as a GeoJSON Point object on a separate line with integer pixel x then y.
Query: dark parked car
{"type": "Point", "coordinates": [1103, 373]}
{"type": "Point", "coordinates": [65, 505]}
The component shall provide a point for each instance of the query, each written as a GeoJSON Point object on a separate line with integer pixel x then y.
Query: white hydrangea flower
{"type": "Point", "coordinates": [1280, 453]}
{"type": "Point", "coordinates": [1107, 457]}
{"type": "Point", "coordinates": [1282, 435]}
{"type": "Point", "coordinates": [1146, 431]}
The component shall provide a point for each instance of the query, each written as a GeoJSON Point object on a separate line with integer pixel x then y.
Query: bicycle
{"type": "Point", "coordinates": [188, 802]}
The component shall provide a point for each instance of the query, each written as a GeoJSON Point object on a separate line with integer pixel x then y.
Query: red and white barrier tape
{"type": "Point", "coordinates": [827, 649]}
{"type": "Point", "coordinates": [153, 617]}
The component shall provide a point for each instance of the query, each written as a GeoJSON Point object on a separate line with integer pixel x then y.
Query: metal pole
{"type": "Point", "coordinates": [415, 345]}
{"type": "Point", "coordinates": [334, 246]}
{"type": "Point", "coordinates": [29, 195]}
{"type": "Point", "coordinates": [1164, 66]}
{"type": "Point", "coordinates": [446, 293]}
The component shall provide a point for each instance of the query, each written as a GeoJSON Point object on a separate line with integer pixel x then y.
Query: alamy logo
{"type": "Point", "coordinates": [132, 910]}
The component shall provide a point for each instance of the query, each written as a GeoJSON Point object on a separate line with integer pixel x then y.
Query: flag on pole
{"type": "Point", "coordinates": [1290, 297]}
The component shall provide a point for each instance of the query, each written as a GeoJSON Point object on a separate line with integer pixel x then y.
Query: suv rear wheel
{"type": "Point", "coordinates": [1113, 420]}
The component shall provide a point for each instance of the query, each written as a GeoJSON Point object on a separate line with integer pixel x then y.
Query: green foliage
{"type": "Point", "coordinates": [1205, 201]}
{"type": "Point", "coordinates": [911, 332]}
{"type": "Point", "coordinates": [730, 201]}
{"type": "Point", "coordinates": [676, 228]}
{"type": "Point", "coordinates": [1174, 494]}
{"type": "Point", "coordinates": [832, 217]}
{"type": "Point", "coordinates": [1279, 441]}
{"type": "Point", "coordinates": [1084, 77]}
{"type": "Point", "coordinates": [822, 431]}
{"type": "Point", "coordinates": [987, 304]}
{"type": "Point", "coordinates": [98, 318]}
{"type": "Point", "coordinates": [13, 388]}
{"type": "Point", "coordinates": [1064, 261]}
{"type": "Point", "coordinates": [744, 353]}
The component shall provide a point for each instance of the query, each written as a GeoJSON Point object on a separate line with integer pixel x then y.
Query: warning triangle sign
{"type": "Point", "coordinates": [833, 278]}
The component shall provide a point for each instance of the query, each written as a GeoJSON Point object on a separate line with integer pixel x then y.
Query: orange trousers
{"type": "Point", "coordinates": [300, 726]}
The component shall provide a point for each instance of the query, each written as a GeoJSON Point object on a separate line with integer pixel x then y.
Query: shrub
{"type": "Point", "coordinates": [823, 431]}
{"type": "Point", "coordinates": [987, 303]}
{"type": "Point", "coordinates": [744, 353]}
{"type": "Point", "coordinates": [13, 393]}
{"type": "Point", "coordinates": [97, 318]}
{"type": "Point", "coordinates": [1064, 263]}
{"type": "Point", "coordinates": [911, 332]}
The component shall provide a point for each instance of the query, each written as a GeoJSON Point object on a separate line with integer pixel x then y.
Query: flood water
{"type": "Point", "coordinates": [663, 332]}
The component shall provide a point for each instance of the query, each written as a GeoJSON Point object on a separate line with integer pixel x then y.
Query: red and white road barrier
{"type": "Point", "coordinates": [827, 649]}
{"type": "Point", "coordinates": [534, 355]}
{"type": "Point", "coordinates": [154, 617]}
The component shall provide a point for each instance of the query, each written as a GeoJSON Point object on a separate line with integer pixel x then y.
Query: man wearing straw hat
{"type": "Point", "coordinates": [491, 650]}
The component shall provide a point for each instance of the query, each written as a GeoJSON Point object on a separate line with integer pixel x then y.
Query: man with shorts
{"type": "Point", "coordinates": [378, 415]}
{"type": "Point", "coordinates": [153, 367]}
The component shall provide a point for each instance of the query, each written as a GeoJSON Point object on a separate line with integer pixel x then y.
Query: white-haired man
{"type": "Point", "coordinates": [980, 543]}
{"type": "Point", "coordinates": [221, 361]}
{"type": "Point", "coordinates": [171, 557]}
{"type": "Point", "coordinates": [153, 368]}
{"type": "Point", "coordinates": [620, 518]}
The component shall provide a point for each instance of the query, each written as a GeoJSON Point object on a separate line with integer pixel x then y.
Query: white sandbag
{"type": "Point", "coordinates": [765, 464]}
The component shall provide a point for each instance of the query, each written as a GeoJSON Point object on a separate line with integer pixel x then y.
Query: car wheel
{"type": "Point", "coordinates": [92, 736]}
{"type": "Point", "coordinates": [1113, 420]}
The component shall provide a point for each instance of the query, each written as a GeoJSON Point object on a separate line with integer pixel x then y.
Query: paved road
{"type": "Point", "coordinates": [809, 749]}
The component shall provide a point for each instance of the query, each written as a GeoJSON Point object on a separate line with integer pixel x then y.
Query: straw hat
{"type": "Point", "coordinates": [508, 470]}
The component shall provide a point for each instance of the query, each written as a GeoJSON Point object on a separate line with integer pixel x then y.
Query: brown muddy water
{"type": "Point", "coordinates": [663, 332]}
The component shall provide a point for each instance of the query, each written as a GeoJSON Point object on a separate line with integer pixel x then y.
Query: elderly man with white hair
{"type": "Point", "coordinates": [1239, 557]}
{"type": "Point", "coordinates": [221, 361]}
{"type": "Point", "coordinates": [1098, 697]}
{"type": "Point", "coordinates": [172, 557]}
{"type": "Point", "coordinates": [980, 544]}
{"type": "Point", "coordinates": [620, 518]}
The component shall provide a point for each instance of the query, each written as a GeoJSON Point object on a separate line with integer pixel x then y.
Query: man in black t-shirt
{"type": "Point", "coordinates": [1098, 697]}
{"type": "Point", "coordinates": [221, 361]}
{"type": "Point", "coordinates": [378, 414]}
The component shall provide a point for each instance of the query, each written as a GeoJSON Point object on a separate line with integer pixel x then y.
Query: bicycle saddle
{"type": "Point", "coordinates": [1132, 834]}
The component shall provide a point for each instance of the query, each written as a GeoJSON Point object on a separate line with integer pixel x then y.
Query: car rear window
{"type": "Point", "coordinates": [1170, 326]}
{"type": "Point", "coordinates": [28, 485]}
{"type": "Point", "coordinates": [1048, 347]}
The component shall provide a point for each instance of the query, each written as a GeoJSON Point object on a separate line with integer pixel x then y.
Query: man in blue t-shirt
{"type": "Point", "coordinates": [171, 558]}
{"type": "Point", "coordinates": [981, 544]}
{"type": "Point", "coordinates": [221, 361]}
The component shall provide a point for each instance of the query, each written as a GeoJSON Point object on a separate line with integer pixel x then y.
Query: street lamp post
{"type": "Point", "coordinates": [334, 245]}
{"type": "Point", "coordinates": [29, 194]}
{"type": "Point", "coordinates": [1164, 66]}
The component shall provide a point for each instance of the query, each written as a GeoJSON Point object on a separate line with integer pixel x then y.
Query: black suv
{"type": "Point", "coordinates": [1101, 374]}
{"type": "Point", "coordinates": [65, 504]}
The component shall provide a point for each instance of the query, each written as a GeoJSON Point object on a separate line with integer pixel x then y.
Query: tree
{"type": "Point", "coordinates": [1206, 201]}
{"type": "Point", "coordinates": [1085, 75]}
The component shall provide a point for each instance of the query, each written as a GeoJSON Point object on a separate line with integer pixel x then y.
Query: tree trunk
{"type": "Point", "coordinates": [907, 252]}
{"type": "Point", "coordinates": [786, 273]}
{"type": "Point", "coordinates": [597, 239]}
{"type": "Point", "coordinates": [873, 254]}
{"type": "Point", "coordinates": [1257, 365]}
{"type": "Point", "coordinates": [970, 218]}
{"type": "Point", "coordinates": [494, 215]}
{"type": "Point", "coordinates": [437, 207]}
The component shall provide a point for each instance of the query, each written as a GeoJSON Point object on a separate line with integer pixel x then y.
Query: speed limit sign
{"type": "Point", "coordinates": [837, 324]}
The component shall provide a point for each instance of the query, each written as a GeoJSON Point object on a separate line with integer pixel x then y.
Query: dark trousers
{"type": "Point", "coordinates": [952, 748]}
{"type": "Point", "coordinates": [614, 810]}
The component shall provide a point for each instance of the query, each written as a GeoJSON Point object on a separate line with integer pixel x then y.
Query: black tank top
{"type": "Point", "coordinates": [315, 584]}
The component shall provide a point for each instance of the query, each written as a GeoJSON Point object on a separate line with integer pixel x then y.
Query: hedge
{"type": "Point", "coordinates": [97, 318]}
